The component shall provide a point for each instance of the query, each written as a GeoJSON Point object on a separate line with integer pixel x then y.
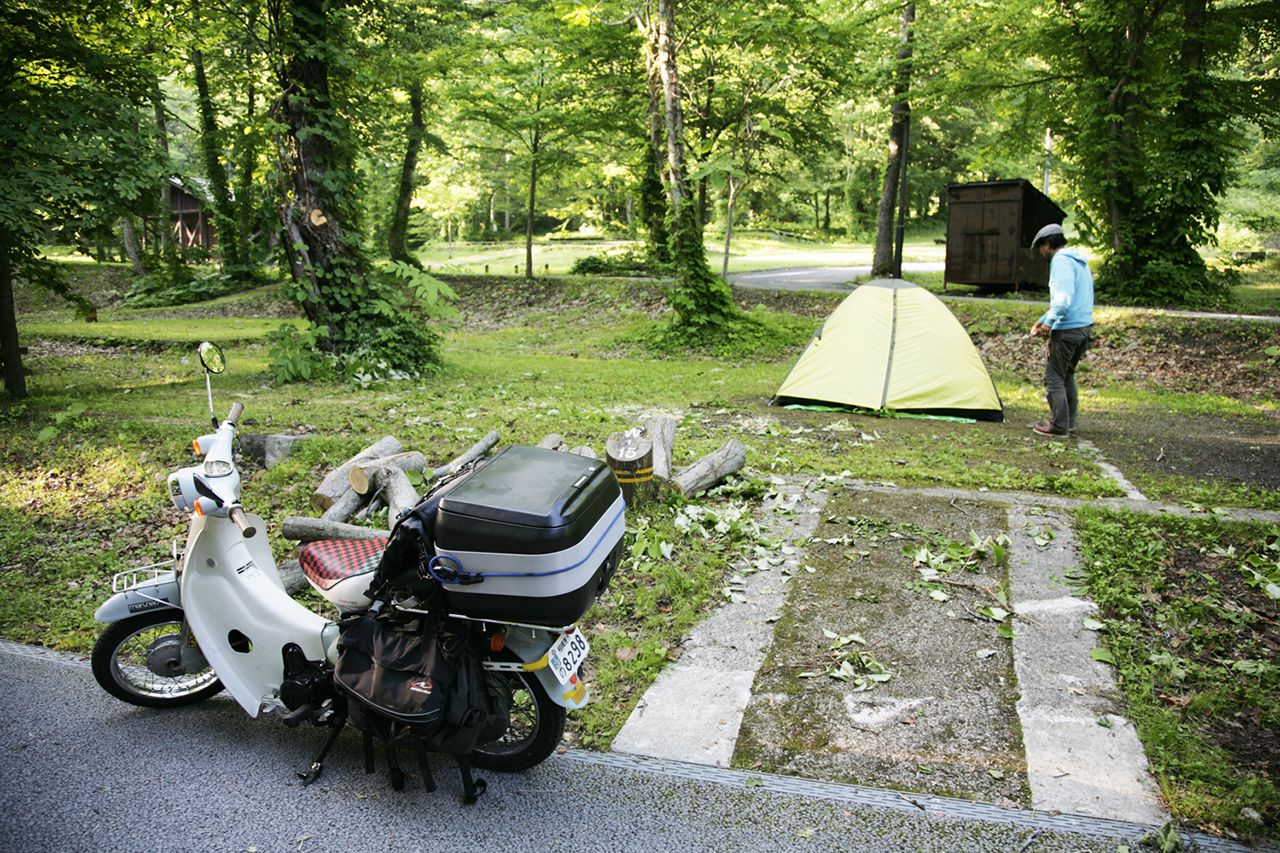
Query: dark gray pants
{"type": "Point", "coordinates": [1066, 348]}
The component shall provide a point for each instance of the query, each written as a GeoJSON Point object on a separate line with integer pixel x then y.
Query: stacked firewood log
{"type": "Point", "coordinates": [376, 480]}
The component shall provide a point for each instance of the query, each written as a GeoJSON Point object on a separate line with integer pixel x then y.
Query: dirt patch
{"type": "Point", "coordinates": [945, 722]}
{"type": "Point", "coordinates": [1200, 447]}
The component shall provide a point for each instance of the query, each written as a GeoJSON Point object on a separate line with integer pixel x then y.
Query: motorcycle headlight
{"type": "Point", "coordinates": [217, 467]}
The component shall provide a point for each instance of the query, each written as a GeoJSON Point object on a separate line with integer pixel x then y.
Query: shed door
{"type": "Point", "coordinates": [1000, 238]}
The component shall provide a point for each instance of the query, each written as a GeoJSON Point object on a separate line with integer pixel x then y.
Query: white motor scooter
{"type": "Point", "coordinates": [218, 616]}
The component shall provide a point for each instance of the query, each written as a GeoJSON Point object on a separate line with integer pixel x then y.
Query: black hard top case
{"type": "Point", "coordinates": [531, 536]}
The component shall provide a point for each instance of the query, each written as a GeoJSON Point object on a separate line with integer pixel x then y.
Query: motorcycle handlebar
{"type": "Point", "coordinates": [237, 514]}
{"type": "Point", "coordinates": [236, 409]}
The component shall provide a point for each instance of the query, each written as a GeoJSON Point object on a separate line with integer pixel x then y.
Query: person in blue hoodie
{"type": "Point", "coordinates": [1068, 324]}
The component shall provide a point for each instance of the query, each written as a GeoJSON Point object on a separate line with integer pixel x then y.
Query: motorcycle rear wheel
{"type": "Point", "coordinates": [127, 655]}
{"type": "Point", "coordinates": [537, 724]}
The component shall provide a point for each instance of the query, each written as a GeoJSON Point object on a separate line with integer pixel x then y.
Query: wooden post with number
{"type": "Point", "coordinates": [630, 455]}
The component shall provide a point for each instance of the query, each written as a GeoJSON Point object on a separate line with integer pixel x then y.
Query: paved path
{"type": "Point", "coordinates": [84, 772]}
{"type": "Point", "coordinates": [841, 279]}
{"type": "Point", "coordinates": [817, 278]}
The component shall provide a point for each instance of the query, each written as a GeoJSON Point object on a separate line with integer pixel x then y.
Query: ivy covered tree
{"type": "Point", "coordinates": [355, 313]}
{"type": "Point", "coordinates": [702, 300]}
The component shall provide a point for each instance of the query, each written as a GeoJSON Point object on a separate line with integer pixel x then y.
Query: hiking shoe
{"type": "Point", "coordinates": [1046, 429]}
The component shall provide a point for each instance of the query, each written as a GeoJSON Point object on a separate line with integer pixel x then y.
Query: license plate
{"type": "Point", "coordinates": [567, 654]}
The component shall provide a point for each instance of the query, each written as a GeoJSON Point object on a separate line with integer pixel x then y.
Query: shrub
{"type": "Point", "coordinates": [629, 262]}
{"type": "Point", "coordinates": [179, 284]}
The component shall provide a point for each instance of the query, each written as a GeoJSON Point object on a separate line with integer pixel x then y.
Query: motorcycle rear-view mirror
{"type": "Point", "coordinates": [211, 357]}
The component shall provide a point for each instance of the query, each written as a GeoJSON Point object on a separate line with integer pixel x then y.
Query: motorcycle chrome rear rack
{"type": "Point", "coordinates": [130, 578]}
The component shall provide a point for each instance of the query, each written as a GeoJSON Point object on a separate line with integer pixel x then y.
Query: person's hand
{"type": "Point", "coordinates": [1039, 330]}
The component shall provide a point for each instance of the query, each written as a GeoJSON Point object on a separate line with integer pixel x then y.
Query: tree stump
{"type": "Point", "coordinates": [661, 431]}
{"type": "Point", "coordinates": [630, 455]}
{"type": "Point", "coordinates": [552, 441]}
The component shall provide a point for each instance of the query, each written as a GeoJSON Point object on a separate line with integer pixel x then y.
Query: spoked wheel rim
{"type": "Point", "coordinates": [526, 719]}
{"type": "Point", "coordinates": [138, 664]}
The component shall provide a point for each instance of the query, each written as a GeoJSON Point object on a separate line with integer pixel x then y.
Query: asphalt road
{"type": "Point", "coordinates": [82, 771]}
{"type": "Point", "coordinates": [817, 278]}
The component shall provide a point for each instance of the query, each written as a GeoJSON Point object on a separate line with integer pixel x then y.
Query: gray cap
{"type": "Point", "coordinates": [1047, 231]}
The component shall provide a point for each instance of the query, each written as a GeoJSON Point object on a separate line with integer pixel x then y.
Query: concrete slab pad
{"type": "Point", "coordinates": [693, 712]}
{"type": "Point", "coordinates": [1077, 766]}
{"type": "Point", "coordinates": [1055, 670]}
{"type": "Point", "coordinates": [689, 714]}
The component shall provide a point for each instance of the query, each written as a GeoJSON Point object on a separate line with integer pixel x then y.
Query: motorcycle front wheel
{"type": "Point", "coordinates": [138, 660]}
{"type": "Point", "coordinates": [537, 724]}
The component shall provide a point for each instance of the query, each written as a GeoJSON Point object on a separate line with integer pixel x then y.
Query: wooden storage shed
{"type": "Point", "coordinates": [187, 219]}
{"type": "Point", "coordinates": [989, 230]}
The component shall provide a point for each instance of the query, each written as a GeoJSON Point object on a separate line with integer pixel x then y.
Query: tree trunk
{"type": "Point", "coordinates": [167, 250]}
{"type": "Point", "coordinates": [674, 116]}
{"type": "Point", "coordinates": [361, 475]}
{"type": "Point", "coordinates": [728, 225]}
{"type": "Point", "coordinates": [338, 481]}
{"type": "Point", "coordinates": [224, 219]}
{"type": "Point", "coordinates": [344, 507]}
{"type": "Point", "coordinates": [396, 490]}
{"type": "Point", "coordinates": [129, 237]}
{"type": "Point", "coordinates": [299, 528]}
{"type": "Point", "coordinates": [661, 432]}
{"type": "Point", "coordinates": [324, 259]}
{"type": "Point", "coordinates": [474, 452]}
{"type": "Point", "coordinates": [404, 196]}
{"type": "Point", "coordinates": [702, 301]}
{"type": "Point", "coordinates": [533, 194]}
{"type": "Point", "coordinates": [244, 179]}
{"type": "Point", "coordinates": [882, 262]}
{"type": "Point", "coordinates": [653, 207]}
{"type": "Point", "coordinates": [15, 380]}
{"type": "Point", "coordinates": [712, 468]}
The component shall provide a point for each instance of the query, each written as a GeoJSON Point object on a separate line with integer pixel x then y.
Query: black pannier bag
{"type": "Point", "coordinates": [410, 684]}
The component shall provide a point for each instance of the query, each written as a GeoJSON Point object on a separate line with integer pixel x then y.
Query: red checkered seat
{"type": "Point", "coordinates": [340, 569]}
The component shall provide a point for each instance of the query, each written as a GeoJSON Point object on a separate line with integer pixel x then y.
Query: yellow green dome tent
{"type": "Point", "coordinates": [893, 346]}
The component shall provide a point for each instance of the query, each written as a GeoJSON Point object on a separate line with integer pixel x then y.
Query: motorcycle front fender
{"type": "Point", "coordinates": [154, 594]}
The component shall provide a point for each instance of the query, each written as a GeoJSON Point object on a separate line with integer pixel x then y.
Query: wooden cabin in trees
{"type": "Point", "coordinates": [187, 218]}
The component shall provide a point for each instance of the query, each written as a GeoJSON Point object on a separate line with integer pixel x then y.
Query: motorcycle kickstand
{"type": "Point", "coordinates": [313, 772]}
